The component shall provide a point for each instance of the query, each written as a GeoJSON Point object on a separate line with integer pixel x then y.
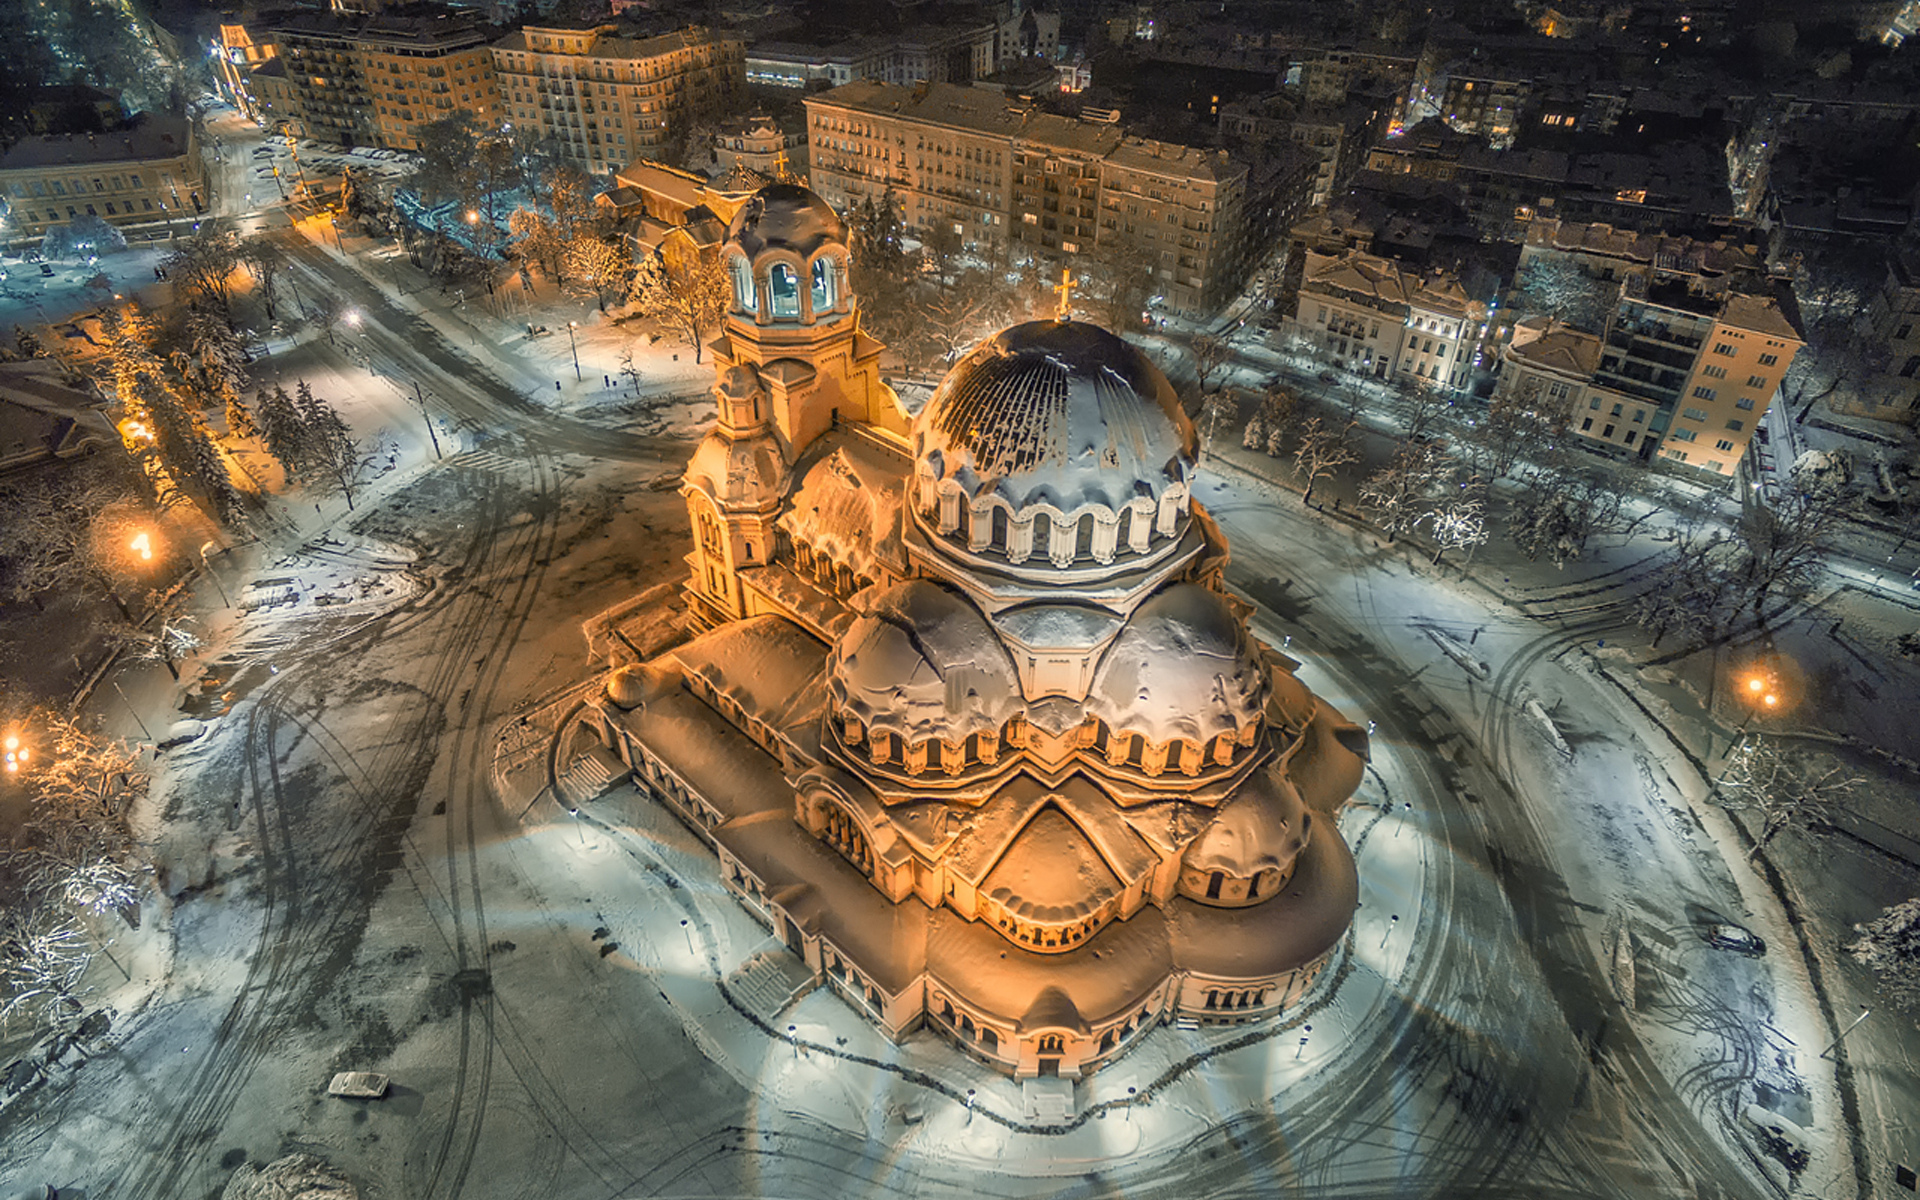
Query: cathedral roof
{"type": "Point", "coordinates": [1051, 874]}
{"type": "Point", "coordinates": [1182, 668]}
{"type": "Point", "coordinates": [1057, 412]}
{"type": "Point", "coordinates": [923, 663]}
{"type": "Point", "coordinates": [1263, 828]}
{"type": "Point", "coordinates": [786, 216]}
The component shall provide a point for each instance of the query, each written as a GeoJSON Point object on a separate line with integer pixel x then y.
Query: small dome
{"type": "Point", "coordinates": [738, 470]}
{"type": "Point", "coordinates": [627, 687]}
{"type": "Point", "coordinates": [1182, 668]}
{"type": "Point", "coordinates": [1056, 411]}
{"type": "Point", "coordinates": [785, 216]}
{"type": "Point", "coordinates": [922, 663]}
{"type": "Point", "coordinates": [1263, 828]}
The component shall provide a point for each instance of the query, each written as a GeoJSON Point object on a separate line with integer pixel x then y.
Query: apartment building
{"type": "Point", "coordinates": [374, 79]}
{"type": "Point", "coordinates": [608, 100]}
{"type": "Point", "coordinates": [148, 171]}
{"type": "Point", "coordinates": [1554, 364]}
{"type": "Point", "coordinates": [1377, 317]}
{"type": "Point", "coordinates": [933, 54]}
{"type": "Point", "coordinates": [761, 143]}
{"type": "Point", "coordinates": [1011, 180]}
{"type": "Point", "coordinates": [1892, 393]}
{"type": "Point", "coordinates": [1709, 362]}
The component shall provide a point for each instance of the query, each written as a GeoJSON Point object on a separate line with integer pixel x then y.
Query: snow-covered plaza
{"type": "Point", "coordinates": [378, 851]}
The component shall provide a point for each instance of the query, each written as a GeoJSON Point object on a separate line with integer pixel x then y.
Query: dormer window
{"type": "Point", "coordinates": [783, 288]}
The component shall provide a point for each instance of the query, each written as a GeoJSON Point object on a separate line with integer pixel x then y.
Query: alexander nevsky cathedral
{"type": "Point", "coordinates": [971, 722]}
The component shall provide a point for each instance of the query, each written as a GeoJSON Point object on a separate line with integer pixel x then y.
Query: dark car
{"type": "Point", "coordinates": [1724, 935]}
{"type": "Point", "coordinates": [46, 269]}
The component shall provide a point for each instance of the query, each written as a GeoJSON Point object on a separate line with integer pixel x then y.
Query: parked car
{"type": "Point", "coordinates": [1724, 935]}
{"type": "Point", "coordinates": [46, 269]}
{"type": "Point", "coordinates": [358, 1085]}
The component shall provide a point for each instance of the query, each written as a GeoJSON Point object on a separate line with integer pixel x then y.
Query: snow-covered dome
{"type": "Point", "coordinates": [737, 470]}
{"type": "Point", "coordinates": [922, 664]}
{"type": "Point", "coordinates": [1057, 412]}
{"type": "Point", "coordinates": [788, 217]}
{"type": "Point", "coordinates": [1183, 668]}
{"type": "Point", "coordinates": [627, 686]}
{"type": "Point", "coordinates": [1263, 828]}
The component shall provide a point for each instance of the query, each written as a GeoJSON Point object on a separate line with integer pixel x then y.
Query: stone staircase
{"type": "Point", "coordinates": [770, 980]}
{"type": "Point", "coordinates": [1047, 1100]}
{"type": "Point", "coordinates": [594, 774]}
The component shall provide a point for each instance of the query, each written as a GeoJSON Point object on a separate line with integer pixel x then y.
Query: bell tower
{"type": "Point", "coordinates": [793, 319]}
{"type": "Point", "coordinates": [790, 363]}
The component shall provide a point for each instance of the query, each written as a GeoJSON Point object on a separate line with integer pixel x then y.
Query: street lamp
{"type": "Point", "coordinates": [142, 545]}
{"type": "Point", "coordinates": [17, 753]}
{"type": "Point", "coordinates": [575, 348]}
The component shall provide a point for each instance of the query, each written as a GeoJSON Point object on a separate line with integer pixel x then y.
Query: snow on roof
{"type": "Point", "coordinates": [786, 216]}
{"type": "Point", "coordinates": [819, 610]}
{"type": "Point", "coordinates": [1558, 347]}
{"type": "Point", "coordinates": [1051, 874]}
{"type": "Point", "coordinates": [1289, 929]}
{"type": "Point", "coordinates": [767, 665]}
{"type": "Point", "coordinates": [848, 508]}
{"type": "Point", "coordinates": [1263, 827]}
{"type": "Point", "coordinates": [1184, 667]}
{"type": "Point", "coordinates": [824, 894]}
{"type": "Point", "coordinates": [1057, 412]}
{"type": "Point", "coordinates": [922, 663]}
{"type": "Point", "coordinates": [989, 830]}
{"type": "Point", "coordinates": [1059, 626]}
{"type": "Point", "coordinates": [1108, 975]}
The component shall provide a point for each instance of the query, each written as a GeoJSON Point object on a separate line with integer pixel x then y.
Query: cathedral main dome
{"type": "Point", "coordinates": [1056, 412]}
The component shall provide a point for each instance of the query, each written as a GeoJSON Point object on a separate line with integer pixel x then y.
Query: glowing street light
{"type": "Point", "coordinates": [17, 753]}
{"type": "Point", "coordinates": [142, 544]}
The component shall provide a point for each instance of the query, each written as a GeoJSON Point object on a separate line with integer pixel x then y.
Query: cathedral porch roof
{"type": "Point", "coordinates": [1104, 977]}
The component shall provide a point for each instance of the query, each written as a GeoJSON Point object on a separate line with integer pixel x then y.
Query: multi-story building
{"type": "Point", "coordinates": [608, 100]}
{"type": "Point", "coordinates": [1377, 317]}
{"type": "Point", "coordinates": [936, 54]}
{"type": "Point", "coordinates": [1709, 361]}
{"type": "Point", "coordinates": [148, 171]}
{"type": "Point", "coordinates": [1553, 365]}
{"type": "Point", "coordinates": [374, 79]}
{"type": "Point", "coordinates": [1336, 136]}
{"type": "Point", "coordinates": [1011, 180]}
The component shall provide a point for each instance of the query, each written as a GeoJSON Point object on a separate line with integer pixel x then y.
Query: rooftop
{"type": "Point", "coordinates": [148, 137]}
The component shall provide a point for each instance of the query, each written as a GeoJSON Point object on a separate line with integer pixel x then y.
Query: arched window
{"type": "Point", "coordinates": [1052, 1043]}
{"type": "Point", "coordinates": [784, 290]}
{"type": "Point", "coordinates": [825, 285]}
{"type": "Point", "coordinates": [743, 294]}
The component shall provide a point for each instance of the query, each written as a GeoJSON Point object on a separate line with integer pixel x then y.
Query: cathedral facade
{"type": "Point", "coordinates": [972, 723]}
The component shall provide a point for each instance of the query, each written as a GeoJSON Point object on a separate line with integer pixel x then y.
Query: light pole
{"type": "Point", "coordinates": [575, 348]}
{"type": "Point", "coordinates": [214, 575]}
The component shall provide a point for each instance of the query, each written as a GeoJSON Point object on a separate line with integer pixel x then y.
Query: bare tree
{"type": "Point", "coordinates": [1321, 452]}
{"type": "Point", "coordinates": [1682, 594]}
{"type": "Point", "coordinates": [958, 315]}
{"type": "Point", "coordinates": [1457, 518]}
{"type": "Point", "coordinates": [70, 530]}
{"type": "Point", "coordinates": [1272, 421]}
{"type": "Point", "coordinates": [1788, 787]}
{"type": "Point", "coordinates": [689, 296]}
{"type": "Point", "coordinates": [1516, 427]}
{"type": "Point", "coordinates": [1395, 495]}
{"type": "Point", "coordinates": [1217, 408]}
{"type": "Point", "coordinates": [266, 261]}
{"type": "Point", "coordinates": [1554, 286]}
{"type": "Point", "coordinates": [1889, 946]}
{"type": "Point", "coordinates": [1210, 353]}
{"type": "Point", "coordinates": [598, 268]}
{"type": "Point", "coordinates": [1564, 505]}
{"type": "Point", "coordinates": [205, 262]}
{"type": "Point", "coordinates": [330, 450]}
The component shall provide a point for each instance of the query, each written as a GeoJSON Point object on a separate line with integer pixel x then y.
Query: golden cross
{"type": "Point", "coordinates": [780, 165]}
{"type": "Point", "coordinates": [1065, 289]}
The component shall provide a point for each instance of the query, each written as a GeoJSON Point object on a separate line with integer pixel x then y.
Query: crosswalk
{"type": "Point", "coordinates": [486, 460]}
